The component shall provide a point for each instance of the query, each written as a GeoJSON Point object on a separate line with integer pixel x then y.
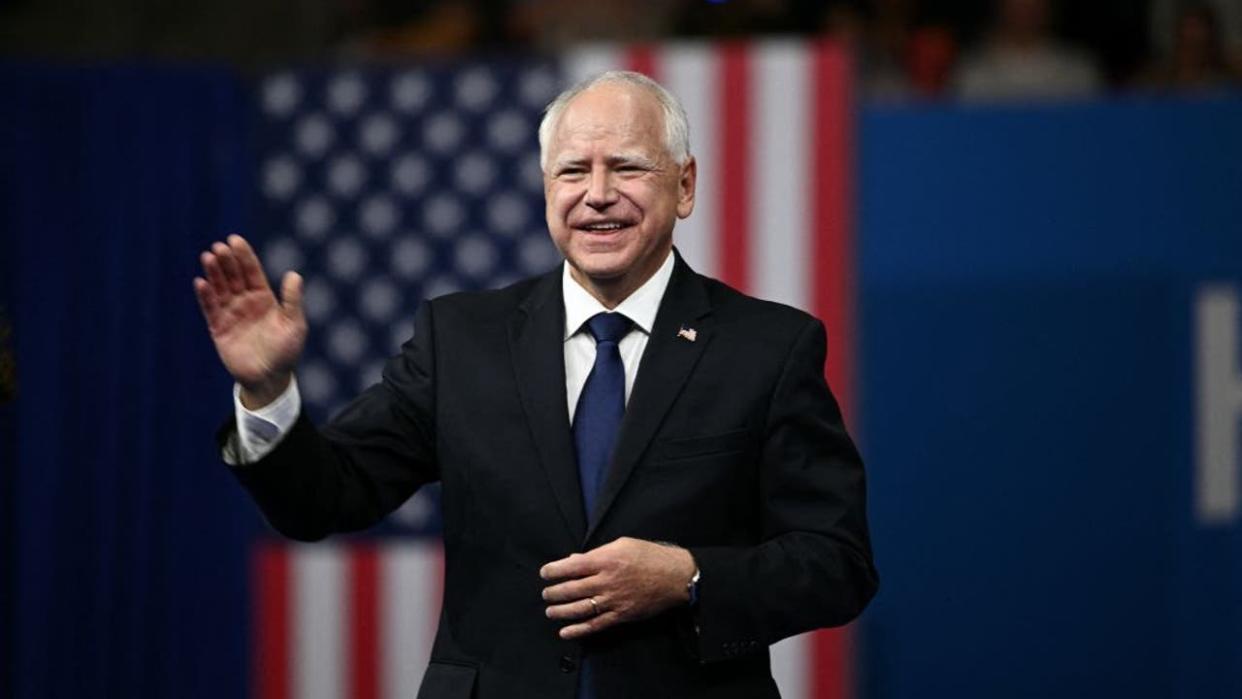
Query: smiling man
{"type": "Point", "coordinates": [646, 480]}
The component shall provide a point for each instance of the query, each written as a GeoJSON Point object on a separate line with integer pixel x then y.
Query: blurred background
{"type": "Point", "coordinates": [1018, 218]}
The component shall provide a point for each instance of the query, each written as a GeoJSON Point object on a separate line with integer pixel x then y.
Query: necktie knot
{"type": "Point", "coordinates": [609, 327]}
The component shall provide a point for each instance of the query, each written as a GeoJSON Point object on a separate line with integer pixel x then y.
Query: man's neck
{"type": "Point", "coordinates": [611, 292]}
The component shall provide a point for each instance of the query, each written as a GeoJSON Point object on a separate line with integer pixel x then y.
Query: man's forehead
{"type": "Point", "coordinates": [615, 106]}
{"type": "Point", "coordinates": [625, 113]}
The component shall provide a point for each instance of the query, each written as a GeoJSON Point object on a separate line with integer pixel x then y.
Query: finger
{"type": "Point", "coordinates": [228, 264]}
{"type": "Point", "coordinates": [577, 565]}
{"type": "Point", "coordinates": [215, 275]}
{"type": "Point", "coordinates": [251, 269]}
{"type": "Point", "coordinates": [206, 298]}
{"type": "Point", "coordinates": [581, 609]}
{"type": "Point", "coordinates": [571, 590]}
{"type": "Point", "coordinates": [593, 625]}
{"type": "Point", "coordinates": [291, 296]}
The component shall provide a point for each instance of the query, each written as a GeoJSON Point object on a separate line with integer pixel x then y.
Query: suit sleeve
{"type": "Point", "coordinates": [813, 567]}
{"type": "Point", "coordinates": [376, 453]}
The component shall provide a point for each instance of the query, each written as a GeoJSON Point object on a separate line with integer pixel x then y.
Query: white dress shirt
{"type": "Point", "coordinates": [259, 431]}
{"type": "Point", "coordinates": [640, 307]}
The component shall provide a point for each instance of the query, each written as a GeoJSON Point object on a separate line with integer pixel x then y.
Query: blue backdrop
{"type": "Point", "coordinates": [1028, 277]}
{"type": "Point", "coordinates": [127, 556]}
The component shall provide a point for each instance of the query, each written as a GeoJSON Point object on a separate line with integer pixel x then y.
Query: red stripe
{"type": "Point", "coordinates": [735, 161]}
{"type": "Point", "coordinates": [831, 664]}
{"type": "Point", "coordinates": [833, 290]}
{"type": "Point", "coordinates": [271, 669]}
{"type": "Point", "coordinates": [832, 272]}
{"type": "Point", "coordinates": [641, 58]}
{"type": "Point", "coordinates": [364, 649]}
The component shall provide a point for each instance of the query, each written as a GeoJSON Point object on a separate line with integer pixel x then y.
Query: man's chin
{"type": "Point", "coordinates": [601, 268]}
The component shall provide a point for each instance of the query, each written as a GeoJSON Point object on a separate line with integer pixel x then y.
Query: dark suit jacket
{"type": "Point", "coordinates": [731, 446]}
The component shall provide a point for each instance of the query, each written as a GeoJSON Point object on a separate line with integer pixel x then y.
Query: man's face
{"type": "Point", "coordinates": [613, 191]}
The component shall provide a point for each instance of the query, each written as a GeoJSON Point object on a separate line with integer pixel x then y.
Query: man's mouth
{"type": "Point", "coordinates": [603, 226]}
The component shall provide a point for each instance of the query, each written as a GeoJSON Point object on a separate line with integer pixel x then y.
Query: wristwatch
{"type": "Point", "coordinates": [693, 588]}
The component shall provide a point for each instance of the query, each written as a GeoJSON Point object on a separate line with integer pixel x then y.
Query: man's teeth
{"type": "Point", "coordinates": [603, 226]}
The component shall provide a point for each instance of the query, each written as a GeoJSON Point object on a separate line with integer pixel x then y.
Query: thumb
{"type": "Point", "coordinates": [291, 297]}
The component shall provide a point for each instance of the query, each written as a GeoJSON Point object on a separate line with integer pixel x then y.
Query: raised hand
{"type": "Point", "coordinates": [259, 338]}
{"type": "Point", "coordinates": [625, 580]}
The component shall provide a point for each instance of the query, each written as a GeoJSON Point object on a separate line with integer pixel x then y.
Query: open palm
{"type": "Point", "coordinates": [258, 337]}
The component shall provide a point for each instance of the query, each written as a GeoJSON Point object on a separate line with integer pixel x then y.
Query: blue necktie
{"type": "Point", "coordinates": [597, 420]}
{"type": "Point", "coordinates": [601, 406]}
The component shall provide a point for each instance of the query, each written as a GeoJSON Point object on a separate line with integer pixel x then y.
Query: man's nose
{"type": "Point", "coordinates": [600, 191]}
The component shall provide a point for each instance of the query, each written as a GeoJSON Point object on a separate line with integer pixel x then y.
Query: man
{"type": "Point", "coordinates": [645, 478]}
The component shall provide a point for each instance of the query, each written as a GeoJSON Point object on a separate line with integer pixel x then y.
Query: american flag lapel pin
{"type": "Point", "coordinates": [687, 333]}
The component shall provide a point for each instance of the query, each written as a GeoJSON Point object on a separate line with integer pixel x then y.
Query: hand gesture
{"type": "Point", "coordinates": [626, 580]}
{"type": "Point", "coordinates": [259, 339]}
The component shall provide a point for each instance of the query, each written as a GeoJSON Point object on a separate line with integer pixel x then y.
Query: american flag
{"type": "Point", "coordinates": [385, 185]}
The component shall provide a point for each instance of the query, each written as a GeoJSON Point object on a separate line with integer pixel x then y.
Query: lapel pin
{"type": "Point", "coordinates": [688, 333]}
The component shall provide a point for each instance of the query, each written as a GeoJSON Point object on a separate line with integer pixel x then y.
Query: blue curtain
{"type": "Point", "coordinates": [126, 539]}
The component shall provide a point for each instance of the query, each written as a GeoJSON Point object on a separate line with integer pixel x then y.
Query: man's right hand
{"type": "Point", "coordinates": [259, 338]}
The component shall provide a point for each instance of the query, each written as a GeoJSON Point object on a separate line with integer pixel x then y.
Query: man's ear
{"type": "Point", "coordinates": [685, 187]}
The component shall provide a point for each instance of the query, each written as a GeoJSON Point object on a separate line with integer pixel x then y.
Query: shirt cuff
{"type": "Point", "coordinates": [259, 431]}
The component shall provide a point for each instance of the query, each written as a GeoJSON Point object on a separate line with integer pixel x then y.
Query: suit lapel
{"type": "Point", "coordinates": [536, 343]}
{"type": "Point", "coordinates": [663, 370]}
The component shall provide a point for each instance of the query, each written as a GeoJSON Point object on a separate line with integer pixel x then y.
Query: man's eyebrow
{"type": "Point", "coordinates": [637, 159]}
{"type": "Point", "coordinates": [568, 161]}
{"type": "Point", "coordinates": [632, 159]}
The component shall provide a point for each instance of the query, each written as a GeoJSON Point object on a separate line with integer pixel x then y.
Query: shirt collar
{"type": "Point", "coordinates": [640, 306]}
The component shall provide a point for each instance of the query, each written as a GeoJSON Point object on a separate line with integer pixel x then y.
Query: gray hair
{"type": "Point", "coordinates": [676, 126]}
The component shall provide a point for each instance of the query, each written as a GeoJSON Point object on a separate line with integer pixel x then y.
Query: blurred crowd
{"type": "Point", "coordinates": [907, 49]}
{"type": "Point", "coordinates": [976, 51]}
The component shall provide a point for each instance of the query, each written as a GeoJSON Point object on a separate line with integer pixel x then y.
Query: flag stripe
{"type": "Point", "coordinates": [833, 249]}
{"type": "Point", "coordinates": [789, 667]}
{"type": "Point", "coordinates": [690, 70]}
{"type": "Point", "coordinates": [833, 258]}
{"type": "Point", "coordinates": [271, 632]}
{"type": "Point", "coordinates": [320, 663]}
{"type": "Point", "coordinates": [410, 591]}
{"type": "Point", "coordinates": [363, 613]}
{"type": "Point", "coordinates": [830, 678]}
{"type": "Point", "coordinates": [735, 165]}
{"type": "Point", "coordinates": [779, 231]}
{"type": "Point", "coordinates": [779, 225]}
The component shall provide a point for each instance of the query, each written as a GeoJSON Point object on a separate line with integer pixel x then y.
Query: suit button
{"type": "Point", "coordinates": [567, 664]}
